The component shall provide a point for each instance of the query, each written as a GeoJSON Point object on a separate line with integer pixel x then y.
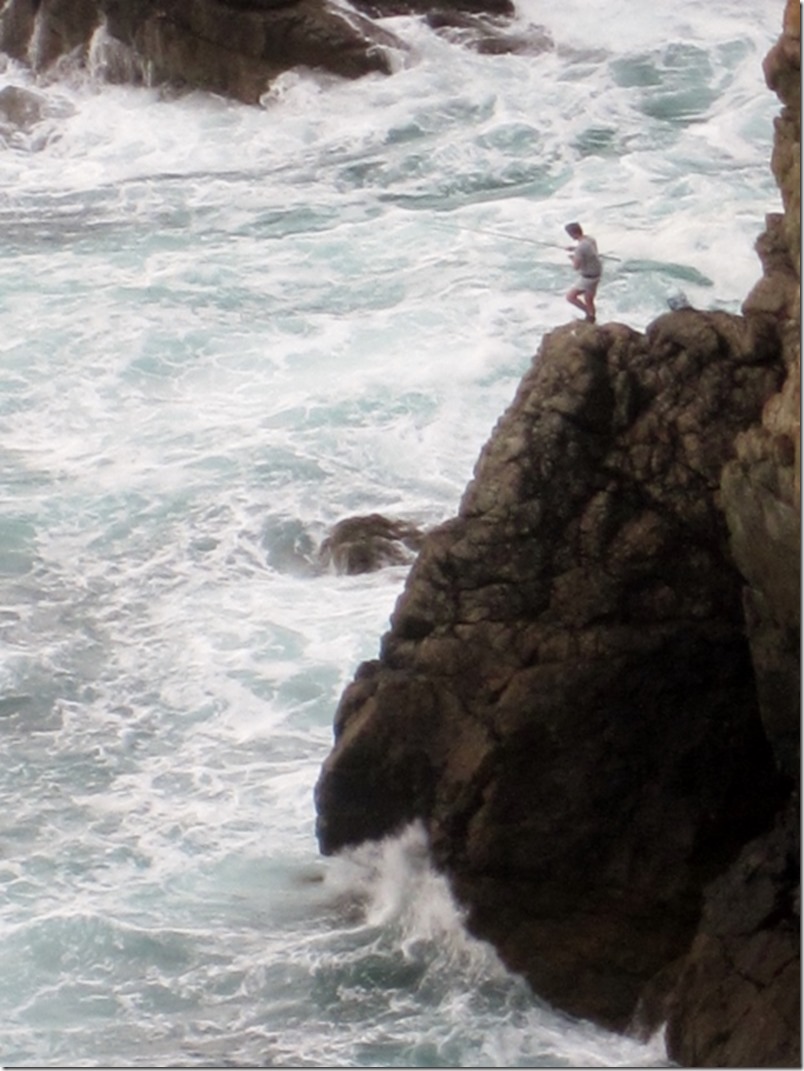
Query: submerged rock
{"type": "Point", "coordinates": [25, 116]}
{"type": "Point", "coordinates": [21, 108]}
{"type": "Point", "coordinates": [491, 35]}
{"type": "Point", "coordinates": [367, 543]}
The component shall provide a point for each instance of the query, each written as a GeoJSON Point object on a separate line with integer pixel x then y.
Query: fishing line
{"type": "Point", "coordinates": [495, 234]}
{"type": "Point", "coordinates": [509, 237]}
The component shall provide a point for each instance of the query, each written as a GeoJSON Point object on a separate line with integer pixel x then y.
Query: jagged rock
{"type": "Point", "coordinates": [238, 47]}
{"type": "Point", "coordinates": [744, 965]}
{"type": "Point", "coordinates": [761, 497]}
{"type": "Point", "coordinates": [761, 487]}
{"type": "Point", "coordinates": [224, 46]}
{"type": "Point", "coordinates": [367, 543]}
{"type": "Point", "coordinates": [567, 665]}
{"type": "Point", "coordinates": [737, 999]}
{"type": "Point", "coordinates": [238, 51]}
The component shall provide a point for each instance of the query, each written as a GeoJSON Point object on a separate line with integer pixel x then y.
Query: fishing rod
{"type": "Point", "coordinates": [511, 237]}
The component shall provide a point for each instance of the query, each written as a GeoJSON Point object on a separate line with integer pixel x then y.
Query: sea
{"type": "Point", "coordinates": [224, 329]}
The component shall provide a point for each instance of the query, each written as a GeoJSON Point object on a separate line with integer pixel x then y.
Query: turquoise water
{"type": "Point", "coordinates": [225, 329]}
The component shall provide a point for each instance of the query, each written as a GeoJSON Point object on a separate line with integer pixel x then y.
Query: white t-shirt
{"type": "Point", "coordinates": [586, 259]}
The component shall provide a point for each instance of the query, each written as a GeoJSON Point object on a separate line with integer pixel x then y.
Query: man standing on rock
{"type": "Point", "coordinates": [586, 261]}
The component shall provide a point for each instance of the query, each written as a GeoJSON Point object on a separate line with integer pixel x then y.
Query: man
{"type": "Point", "coordinates": [586, 261]}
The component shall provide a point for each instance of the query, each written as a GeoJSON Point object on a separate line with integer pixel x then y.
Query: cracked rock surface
{"type": "Point", "coordinates": [568, 665]}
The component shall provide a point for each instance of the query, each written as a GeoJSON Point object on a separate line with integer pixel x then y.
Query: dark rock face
{"type": "Point", "coordinates": [744, 965]}
{"type": "Point", "coordinates": [237, 47]}
{"type": "Point", "coordinates": [225, 46]}
{"type": "Point", "coordinates": [238, 51]}
{"type": "Point", "coordinates": [16, 27]}
{"type": "Point", "coordinates": [567, 666]}
{"type": "Point", "coordinates": [761, 487]}
{"type": "Point", "coordinates": [64, 26]}
{"type": "Point", "coordinates": [737, 999]}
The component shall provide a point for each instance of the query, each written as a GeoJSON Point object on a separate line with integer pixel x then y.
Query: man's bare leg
{"type": "Point", "coordinates": [574, 298]}
{"type": "Point", "coordinates": [591, 312]}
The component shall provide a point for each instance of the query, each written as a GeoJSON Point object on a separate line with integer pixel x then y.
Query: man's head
{"type": "Point", "coordinates": [574, 230]}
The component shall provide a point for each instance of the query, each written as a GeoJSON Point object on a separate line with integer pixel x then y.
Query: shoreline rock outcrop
{"type": "Point", "coordinates": [237, 48]}
{"type": "Point", "coordinates": [589, 690]}
{"type": "Point", "coordinates": [567, 666]}
{"type": "Point", "coordinates": [228, 47]}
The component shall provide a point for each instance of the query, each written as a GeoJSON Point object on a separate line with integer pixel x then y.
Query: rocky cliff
{"type": "Point", "coordinates": [589, 690]}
